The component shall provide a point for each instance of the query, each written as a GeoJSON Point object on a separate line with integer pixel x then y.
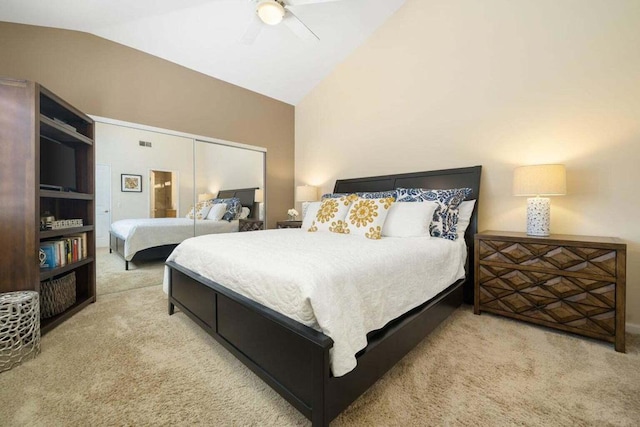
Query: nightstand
{"type": "Point", "coordinates": [250, 225]}
{"type": "Point", "coordinates": [289, 224]}
{"type": "Point", "coordinates": [572, 283]}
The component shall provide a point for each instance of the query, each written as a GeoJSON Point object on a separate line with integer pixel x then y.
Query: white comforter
{"type": "Point", "coordinates": [144, 233]}
{"type": "Point", "coordinates": [342, 285]}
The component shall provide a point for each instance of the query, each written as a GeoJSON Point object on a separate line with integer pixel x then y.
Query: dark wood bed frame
{"type": "Point", "coordinates": [292, 358]}
{"type": "Point", "coordinates": [246, 196]}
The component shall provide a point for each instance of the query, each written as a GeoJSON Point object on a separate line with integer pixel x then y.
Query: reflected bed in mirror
{"type": "Point", "coordinates": [143, 239]}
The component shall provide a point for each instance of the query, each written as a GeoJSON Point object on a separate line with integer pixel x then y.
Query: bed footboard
{"type": "Point", "coordinates": [291, 358]}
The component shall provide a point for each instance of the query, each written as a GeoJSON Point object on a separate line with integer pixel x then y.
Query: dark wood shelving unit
{"type": "Point", "coordinates": [34, 116]}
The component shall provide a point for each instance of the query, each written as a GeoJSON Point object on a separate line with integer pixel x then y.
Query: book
{"type": "Point", "coordinates": [49, 249]}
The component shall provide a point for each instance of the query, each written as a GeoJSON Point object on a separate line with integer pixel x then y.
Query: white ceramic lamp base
{"type": "Point", "coordinates": [538, 216]}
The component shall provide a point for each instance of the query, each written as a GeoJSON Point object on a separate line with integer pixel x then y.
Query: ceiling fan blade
{"type": "Point", "coordinates": [302, 2]}
{"type": "Point", "coordinates": [297, 26]}
{"type": "Point", "coordinates": [252, 31]}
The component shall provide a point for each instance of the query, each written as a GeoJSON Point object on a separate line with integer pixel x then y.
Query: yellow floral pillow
{"type": "Point", "coordinates": [366, 217]}
{"type": "Point", "coordinates": [331, 214]}
{"type": "Point", "coordinates": [200, 210]}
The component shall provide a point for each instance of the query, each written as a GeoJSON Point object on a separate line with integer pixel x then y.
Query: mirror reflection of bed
{"type": "Point", "coordinates": [177, 169]}
{"type": "Point", "coordinates": [146, 239]}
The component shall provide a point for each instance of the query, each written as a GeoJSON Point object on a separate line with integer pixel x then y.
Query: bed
{"type": "Point", "coordinates": [295, 358]}
{"type": "Point", "coordinates": [144, 239]}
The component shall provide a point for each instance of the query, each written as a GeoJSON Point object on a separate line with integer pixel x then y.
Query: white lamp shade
{"type": "Point", "coordinates": [270, 12]}
{"type": "Point", "coordinates": [259, 196]}
{"type": "Point", "coordinates": [205, 196]}
{"type": "Point", "coordinates": [540, 180]}
{"type": "Point", "coordinates": [306, 193]}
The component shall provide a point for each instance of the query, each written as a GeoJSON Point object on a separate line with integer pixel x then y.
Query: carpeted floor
{"type": "Point", "coordinates": [112, 277]}
{"type": "Point", "coordinates": [124, 361]}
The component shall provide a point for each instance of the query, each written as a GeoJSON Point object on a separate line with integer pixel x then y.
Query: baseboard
{"type": "Point", "coordinates": [633, 328]}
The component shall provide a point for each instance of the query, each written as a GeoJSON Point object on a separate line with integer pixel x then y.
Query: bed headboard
{"type": "Point", "coordinates": [246, 195]}
{"type": "Point", "coordinates": [440, 179]}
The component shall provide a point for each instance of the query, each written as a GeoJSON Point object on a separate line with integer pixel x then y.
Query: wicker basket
{"type": "Point", "coordinates": [57, 295]}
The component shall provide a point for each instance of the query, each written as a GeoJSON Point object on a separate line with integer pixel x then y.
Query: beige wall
{"type": "Point", "coordinates": [111, 80]}
{"type": "Point", "coordinates": [497, 83]}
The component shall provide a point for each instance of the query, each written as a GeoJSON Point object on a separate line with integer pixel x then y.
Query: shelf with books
{"type": "Point", "coordinates": [48, 273]}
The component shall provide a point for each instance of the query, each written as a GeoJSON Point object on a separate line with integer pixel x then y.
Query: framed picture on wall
{"type": "Point", "coordinates": [131, 183]}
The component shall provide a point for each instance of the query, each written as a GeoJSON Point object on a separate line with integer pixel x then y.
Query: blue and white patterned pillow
{"type": "Point", "coordinates": [234, 208]}
{"type": "Point", "coordinates": [363, 195]}
{"type": "Point", "coordinates": [445, 218]}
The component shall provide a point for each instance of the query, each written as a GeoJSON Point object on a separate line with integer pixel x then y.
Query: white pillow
{"type": "Point", "coordinates": [217, 211]}
{"type": "Point", "coordinates": [409, 219]}
{"type": "Point", "coordinates": [464, 216]}
{"type": "Point", "coordinates": [366, 217]}
{"type": "Point", "coordinates": [310, 215]}
{"type": "Point", "coordinates": [244, 213]}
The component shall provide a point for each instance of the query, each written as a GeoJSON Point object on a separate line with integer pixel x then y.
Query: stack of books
{"type": "Point", "coordinates": [61, 252]}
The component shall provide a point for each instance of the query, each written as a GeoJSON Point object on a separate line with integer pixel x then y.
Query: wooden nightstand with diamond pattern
{"type": "Point", "coordinates": [250, 225]}
{"type": "Point", "coordinates": [572, 283]}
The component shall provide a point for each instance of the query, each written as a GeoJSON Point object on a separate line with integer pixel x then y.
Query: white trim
{"type": "Point", "coordinates": [632, 328]}
{"type": "Point", "coordinates": [177, 133]}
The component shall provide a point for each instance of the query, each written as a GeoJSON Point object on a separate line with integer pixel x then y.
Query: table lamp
{"type": "Point", "coordinates": [539, 180]}
{"type": "Point", "coordinates": [306, 194]}
{"type": "Point", "coordinates": [259, 200]}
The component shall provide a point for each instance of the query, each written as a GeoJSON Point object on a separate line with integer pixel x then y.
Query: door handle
{"type": "Point", "coordinates": [106, 211]}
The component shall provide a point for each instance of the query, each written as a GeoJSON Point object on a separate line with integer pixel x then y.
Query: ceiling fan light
{"type": "Point", "coordinates": [270, 12]}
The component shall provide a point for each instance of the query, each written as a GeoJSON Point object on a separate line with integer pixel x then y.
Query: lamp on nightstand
{"type": "Point", "coordinates": [306, 194]}
{"type": "Point", "coordinates": [259, 200]}
{"type": "Point", "coordinates": [539, 180]}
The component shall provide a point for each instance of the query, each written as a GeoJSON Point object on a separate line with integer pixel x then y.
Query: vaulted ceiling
{"type": "Point", "coordinates": [205, 35]}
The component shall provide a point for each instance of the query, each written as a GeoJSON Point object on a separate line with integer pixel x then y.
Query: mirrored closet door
{"type": "Point", "coordinates": [154, 177]}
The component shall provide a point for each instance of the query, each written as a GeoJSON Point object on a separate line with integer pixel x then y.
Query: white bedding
{"type": "Point", "coordinates": [342, 285]}
{"type": "Point", "coordinates": [144, 233]}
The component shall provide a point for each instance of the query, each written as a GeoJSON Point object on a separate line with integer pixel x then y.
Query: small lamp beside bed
{"type": "Point", "coordinates": [535, 181]}
{"type": "Point", "coordinates": [259, 203]}
{"type": "Point", "coordinates": [306, 194]}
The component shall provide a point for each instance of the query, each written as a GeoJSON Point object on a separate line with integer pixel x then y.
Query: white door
{"type": "Point", "coordinates": [103, 204]}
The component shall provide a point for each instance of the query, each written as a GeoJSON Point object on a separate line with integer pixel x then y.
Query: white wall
{"type": "Point", "coordinates": [220, 167]}
{"type": "Point", "coordinates": [497, 83]}
{"type": "Point", "coordinates": [118, 146]}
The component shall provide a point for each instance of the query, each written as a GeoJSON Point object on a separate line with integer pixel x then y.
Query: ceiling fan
{"type": "Point", "coordinates": [274, 12]}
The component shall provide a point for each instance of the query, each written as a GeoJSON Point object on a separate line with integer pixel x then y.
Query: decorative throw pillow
{"type": "Point", "coordinates": [217, 211]}
{"type": "Point", "coordinates": [464, 216]}
{"type": "Point", "coordinates": [234, 208]}
{"type": "Point", "coordinates": [200, 210]}
{"type": "Point", "coordinates": [366, 217]}
{"type": "Point", "coordinates": [445, 217]}
{"type": "Point", "coordinates": [331, 214]}
{"type": "Point", "coordinates": [409, 219]}
{"type": "Point", "coordinates": [245, 212]}
{"type": "Point", "coordinates": [310, 215]}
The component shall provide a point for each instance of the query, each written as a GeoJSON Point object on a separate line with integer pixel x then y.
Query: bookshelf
{"type": "Point", "coordinates": [33, 116]}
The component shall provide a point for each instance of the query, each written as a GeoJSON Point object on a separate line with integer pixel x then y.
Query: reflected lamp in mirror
{"type": "Point", "coordinates": [259, 202]}
{"type": "Point", "coordinates": [306, 194]}
{"type": "Point", "coordinates": [205, 196]}
{"type": "Point", "coordinates": [536, 181]}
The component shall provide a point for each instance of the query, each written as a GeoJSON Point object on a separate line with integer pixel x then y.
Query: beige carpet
{"type": "Point", "coordinates": [112, 277]}
{"type": "Point", "coordinates": [124, 361]}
